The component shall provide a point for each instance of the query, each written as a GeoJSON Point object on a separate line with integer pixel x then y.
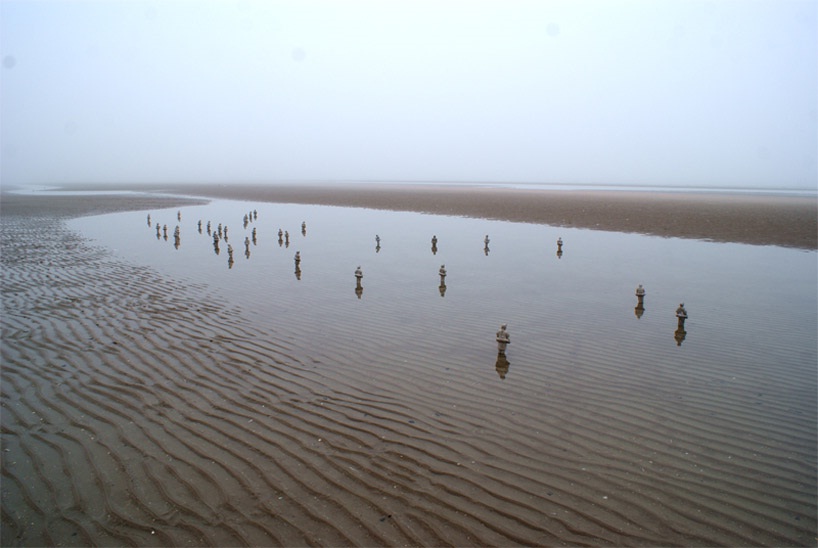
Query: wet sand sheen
{"type": "Point", "coordinates": [753, 219]}
{"type": "Point", "coordinates": [137, 410]}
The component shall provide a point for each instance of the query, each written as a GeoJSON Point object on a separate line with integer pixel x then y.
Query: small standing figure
{"type": "Point", "coordinates": [486, 240]}
{"type": "Point", "coordinates": [208, 228]}
{"type": "Point", "coordinates": [200, 226]}
{"type": "Point", "coordinates": [149, 219]}
{"type": "Point", "coordinates": [254, 235]}
{"type": "Point", "coordinates": [434, 245]}
{"type": "Point", "coordinates": [246, 220]}
{"type": "Point", "coordinates": [287, 238]}
{"type": "Point", "coordinates": [442, 272]}
{"type": "Point", "coordinates": [503, 339]}
{"type": "Point", "coordinates": [225, 233]}
{"type": "Point", "coordinates": [297, 258]}
{"type": "Point", "coordinates": [559, 248]}
{"type": "Point", "coordinates": [255, 214]}
{"type": "Point", "coordinates": [303, 228]}
{"type": "Point", "coordinates": [640, 306]}
{"type": "Point", "coordinates": [165, 231]}
{"type": "Point", "coordinates": [359, 289]}
{"type": "Point", "coordinates": [220, 230]}
{"type": "Point", "coordinates": [179, 215]}
{"type": "Point", "coordinates": [681, 314]}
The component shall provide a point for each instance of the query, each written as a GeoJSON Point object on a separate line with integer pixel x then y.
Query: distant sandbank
{"type": "Point", "coordinates": [741, 218]}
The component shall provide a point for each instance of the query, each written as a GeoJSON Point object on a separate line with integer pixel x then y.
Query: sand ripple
{"type": "Point", "coordinates": [138, 412]}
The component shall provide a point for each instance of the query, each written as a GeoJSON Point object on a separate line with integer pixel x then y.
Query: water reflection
{"type": "Point", "coordinates": [434, 245]}
{"type": "Point", "coordinates": [442, 286]}
{"type": "Point", "coordinates": [502, 365]}
{"type": "Point", "coordinates": [486, 245]}
{"type": "Point", "coordinates": [304, 228]}
{"type": "Point", "coordinates": [559, 248]}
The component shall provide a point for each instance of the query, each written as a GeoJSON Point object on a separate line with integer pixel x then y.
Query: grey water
{"type": "Point", "coordinates": [742, 300]}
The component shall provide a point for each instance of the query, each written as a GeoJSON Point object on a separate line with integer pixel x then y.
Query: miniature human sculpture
{"type": "Point", "coordinates": [442, 272]}
{"type": "Point", "coordinates": [215, 237]}
{"type": "Point", "coordinates": [208, 227]}
{"type": "Point", "coordinates": [559, 242]}
{"type": "Point", "coordinates": [503, 339]}
{"type": "Point", "coordinates": [157, 230]}
{"type": "Point", "coordinates": [640, 292]}
{"type": "Point", "coordinates": [200, 226]}
{"type": "Point", "coordinates": [359, 290]}
{"type": "Point", "coordinates": [255, 214]}
{"type": "Point", "coordinates": [246, 220]}
{"type": "Point", "coordinates": [230, 250]}
{"type": "Point", "coordinates": [179, 215]}
{"type": "Point", "coordinates": [149, 219]}
{"type": "Point", "coordinates": [254, 236]}
{"type": "Point", "coordinates": [297, 258]}
{"type": "Point", "coordinates": [220, 230]}
{"type": "Point", "coordinates": [486, 240]}
{"type": "Point", "coordinates": [280, 233]}
{"type": "Point", "coordinates": [681, 313]}
{"type": "Point", "coordinates": [304, 228]}
{"type": "Point", "coordinates": [287, 237]}
{"type": "Point", "coordinates": [434, 240]}
{"type": "Point", "coordinates": [225, 232]}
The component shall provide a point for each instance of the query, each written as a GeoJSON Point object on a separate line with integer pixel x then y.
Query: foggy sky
{"type": "Point", "coordinates": [699, 93]}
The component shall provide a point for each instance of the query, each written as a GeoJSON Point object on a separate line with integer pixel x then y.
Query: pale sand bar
{"type": "Point", "coordinates": [722, 217]}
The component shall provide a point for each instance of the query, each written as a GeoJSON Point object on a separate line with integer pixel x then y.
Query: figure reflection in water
{"type": "Point", "coordinates": [297, 272]}
{"type": "Point", "coordinates": [280, 239]}
{"type": "Point", "coordinates": [640, 296]}
{"type": "Point", "coordinates": [442, 286]}
{"type": "Point", "coordinates": [502, 365]}
{"type": "Point", "coordinates": [254, 236]}
{"type": "Point", "coordinates": [158, 232]}
{"type": "Point", "coordinates": [286, 238]}
{"type": "Point", "coordinates": [434, 245]}
{"type": "Point", "coordinates": [177, 237]}
{"type": "Point", "coordinates": [304, 228]}
{"type": "Point", "coordinates": [681, 316]}
{"type": "Point", "coordinates": [149, 219]}
{"type": "Point", "coordinates": [359, 275]}
{"type": "Point", "coordinates": [486, 245]}
{"type": "Point", "coordinates": [559, 248]}
{"type": "Point", "coordinates": [165, 231]}
{"type": "Point", "coordinates": [377, 243]}
{"type": "Point", "coordinates": [229, 256]}
{"type": "Point", "coordinates": [208, 228]}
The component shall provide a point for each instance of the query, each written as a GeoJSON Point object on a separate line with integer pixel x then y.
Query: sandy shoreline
{"type": "Point", "coordinates": [140, 410]}
{"type": "Point", "coordinates": [751, 219]}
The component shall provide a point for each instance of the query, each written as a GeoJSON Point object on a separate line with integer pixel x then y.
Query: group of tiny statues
{"type": "Point", "coordinates": [221, 233]}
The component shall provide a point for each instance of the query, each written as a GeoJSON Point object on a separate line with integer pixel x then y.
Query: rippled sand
{"type": "Point", "coordinates": [137, 410]}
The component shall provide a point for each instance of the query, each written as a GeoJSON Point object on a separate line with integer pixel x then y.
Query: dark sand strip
{"type": "Point", "coordinates": [751, 219]}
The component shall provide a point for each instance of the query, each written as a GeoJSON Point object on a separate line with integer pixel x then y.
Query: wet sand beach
{"type": "Point", "coordinates": [723, 217]}
{"type": "Point", "coordinates": [141, 409]}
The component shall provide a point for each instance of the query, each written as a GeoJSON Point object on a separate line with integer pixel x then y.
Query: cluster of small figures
{"type": "Point", "coordinates": [221, 233]}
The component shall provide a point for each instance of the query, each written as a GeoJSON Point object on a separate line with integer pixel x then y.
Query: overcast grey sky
{"type": "Point", "coordinates": [653, 92]}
